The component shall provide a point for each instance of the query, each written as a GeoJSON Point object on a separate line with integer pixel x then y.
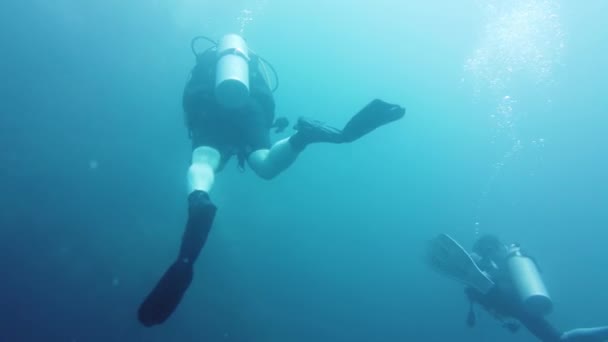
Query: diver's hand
{"type": "Point", "coordinates": [280, 124]}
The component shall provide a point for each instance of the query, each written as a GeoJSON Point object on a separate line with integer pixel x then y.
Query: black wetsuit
{"type": "Point", "coordinates": [230, 131]}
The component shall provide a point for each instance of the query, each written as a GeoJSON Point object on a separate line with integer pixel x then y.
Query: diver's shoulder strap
{"type": "Point", "coordinates": [204, 69]}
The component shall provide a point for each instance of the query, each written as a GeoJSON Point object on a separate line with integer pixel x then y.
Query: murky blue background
{"type": "Point", "coordinates": [505, 133]}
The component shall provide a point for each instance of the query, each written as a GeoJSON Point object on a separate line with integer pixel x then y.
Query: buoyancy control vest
{"type": "Point", "coordinates": [199, 93]}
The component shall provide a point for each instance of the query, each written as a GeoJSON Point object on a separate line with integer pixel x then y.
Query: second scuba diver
{"type": "Point", "coordinates": [506, 282]}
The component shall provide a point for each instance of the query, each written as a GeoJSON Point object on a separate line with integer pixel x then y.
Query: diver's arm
{"type": "Point", "coordinates": [546, 332]}
{"type": "Point", "coordinates": [597, 334]}
{"type": "Point", "coordinates": [497, 303]}
{"type": "Point", "coordinates": [541, 328]}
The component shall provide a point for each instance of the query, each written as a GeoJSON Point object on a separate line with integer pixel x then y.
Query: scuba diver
{"type": "Point", "coordinates": [506, 282]}
{"type": "Point", "coordinates": [229, 111]}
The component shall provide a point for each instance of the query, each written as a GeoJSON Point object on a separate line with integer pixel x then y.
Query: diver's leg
{"type": "Point", "coordinates": [168, 292]}
{"type": "Point", "coordinates": [265, 159]}
{"type": "Point", "coordinates": [597, 334]}
{"type": "Point", "coordinates": [201, 174]}
{"type": "Point", "coordinates": [268, 163]}
{"type": "Point", "coordinates": [201, 211]}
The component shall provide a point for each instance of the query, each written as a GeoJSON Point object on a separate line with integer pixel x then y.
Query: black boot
{"type": "Point", "coordinates": [313, 131]}
{"type": "Point", "coordinates": [168, 292]}
{"type": "Point", "coordinates": [201, 213]}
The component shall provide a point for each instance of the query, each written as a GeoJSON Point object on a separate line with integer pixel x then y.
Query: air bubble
{"type": "Point", "coordinates": [93, 164]}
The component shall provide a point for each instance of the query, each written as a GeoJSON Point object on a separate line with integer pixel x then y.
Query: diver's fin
{"type": "Point", "coordinates": [167, 294]}
{"type": "Point", "coordinates": [447, 257]}
{"type": "Point", "coordinates": [372, 116]}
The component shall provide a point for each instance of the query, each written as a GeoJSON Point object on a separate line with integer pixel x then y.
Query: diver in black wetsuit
{"type": "Point", "coordinates": [229, 109]}
{"type": "Point", "coordinates": [505, 303]}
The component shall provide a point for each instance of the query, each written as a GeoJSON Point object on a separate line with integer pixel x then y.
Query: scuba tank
{"type": "Point", "coordinates": [232, 72]}
{"type": "Point", "coordinates": [528, 283]}
{"type": "Point", "coordinates": [229, 72]}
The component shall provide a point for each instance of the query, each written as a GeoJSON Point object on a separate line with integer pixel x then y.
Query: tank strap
{"type": "Point", "coordinates": [241, 161]}
{"type": "Point", "coordinates": [471, 318]}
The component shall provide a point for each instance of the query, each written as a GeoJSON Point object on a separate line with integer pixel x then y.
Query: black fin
{"type": "Point", "coordinates": [167, 294]}
{"type": "Point", "coordinates": [377, 113]}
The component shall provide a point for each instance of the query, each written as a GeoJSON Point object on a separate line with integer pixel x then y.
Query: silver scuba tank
{"type": "Point", "coordinates": [528, 283]}
{"type": "Point", "coordinates": [232, 72]}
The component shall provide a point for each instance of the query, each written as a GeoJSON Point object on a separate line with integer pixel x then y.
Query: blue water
{"type": "Point", "coordinates": [505, 133]}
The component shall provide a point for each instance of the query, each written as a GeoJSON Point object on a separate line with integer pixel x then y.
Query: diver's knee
{"type": "Point", "coordinates": [206, 155]}
{"type": "Point", "coordinates": [200, 177]}
{"type": "Point", "coordinates": [201, 170]}
{"type": "Point", "coordinates": [264, 170]}
{"type": "Point", "coordinates": [266, 174]}
{"type": "Point", "coordinates": [262, 165]}
{"type": "Point", "coordinates": [201, 173]}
